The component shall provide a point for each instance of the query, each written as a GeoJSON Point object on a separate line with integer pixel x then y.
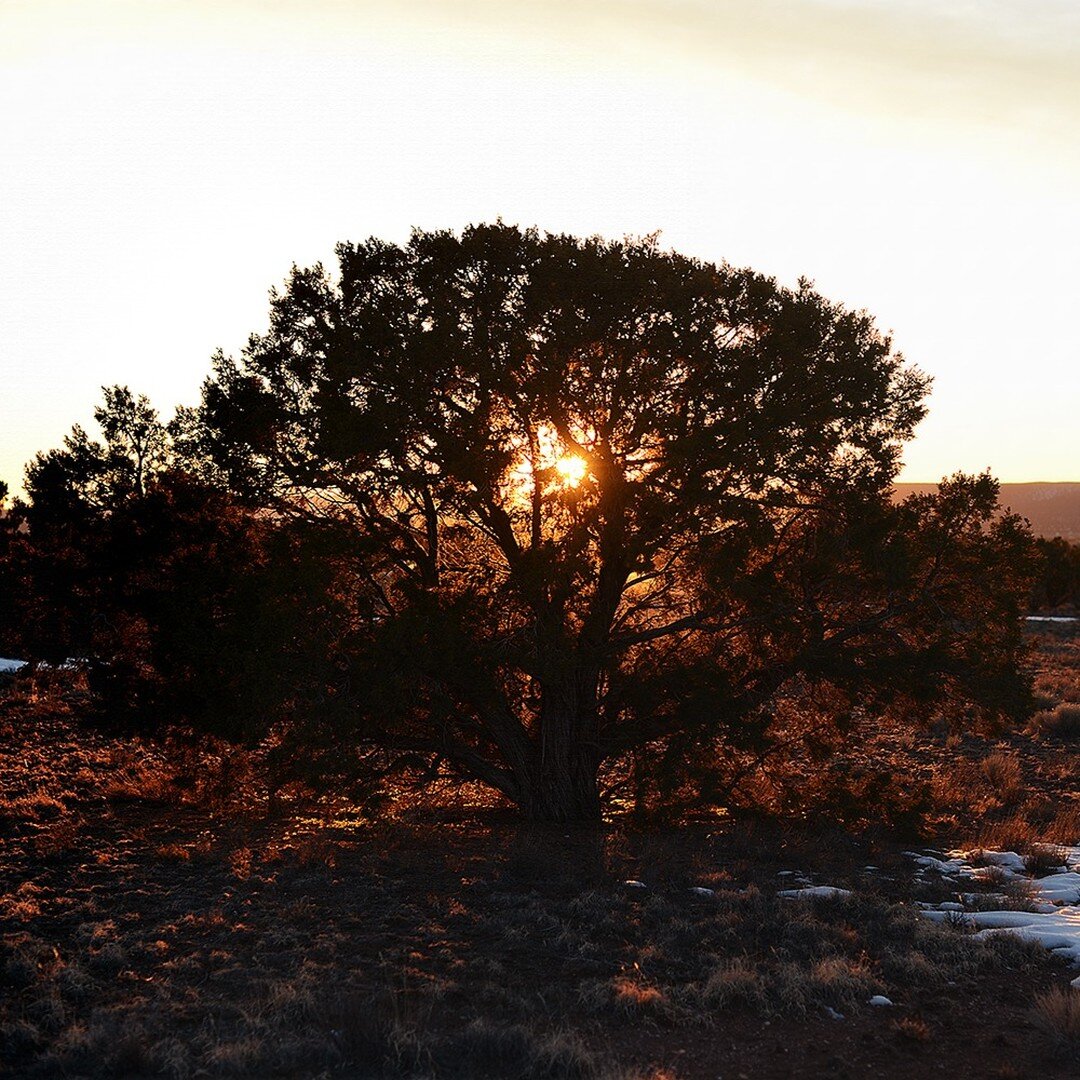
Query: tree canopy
{"type": "Point", "coordinates": [178, 601]}
{"type": "Point", "coordinates": [603, 499]}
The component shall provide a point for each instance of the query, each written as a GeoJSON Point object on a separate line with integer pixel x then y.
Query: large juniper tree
{"type": "Point", "coordinates": [605, 497]}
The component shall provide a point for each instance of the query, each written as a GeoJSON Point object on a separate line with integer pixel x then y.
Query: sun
{"type": "Point", "coordinates": [571, 470]}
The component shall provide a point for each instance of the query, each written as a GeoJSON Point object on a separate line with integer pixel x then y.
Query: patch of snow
{"type": "Point", "coordinates": [72, 663]}
{"type": "Point", "coordinates": [700, 890]}
{"type": "Point", "coordinates": [1007, 859]}
{"type": "Point", "coordinates": [633, 883]}
{"type": "Point", "coordinates": [1009, 868]}
{"type": "Point", "coordinates": [1052, 618]}
{"type": "Point", "coordinates": [879, 1000]}
{"type": "Point", "coordinates": [815, 891]}
{"type": "Point", "coordinates": [1061, 888]}
{"type": "Point", "coordinates": [1058, 930]}
{"type": "Point", "coordinates": [1055, 920]}
{"type": "Point", "coordinates": [946, 867]}
{"type": "Point", "coordinates": [832, 1014]}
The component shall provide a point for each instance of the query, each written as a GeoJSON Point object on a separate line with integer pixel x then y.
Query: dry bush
{"type": "Point", "coordinates": [132, 1053]}
{"type": "Point", "coordinates": [1001, 771]}
{"type": "Point", "coordinates": [109, 959]}
{"type": "Point", "coordinates": [512, 1050]}
{"type": "Point", "coordinates": [141, 782]}
{"type": "Point", "coordinates": [315, 850]}
{"type": "Point", "coordinates": [955, 786]}
{"type": "Point", "coordinates": [241, 862]}
{"type": "Point", "coordinates": [391, 1034]}
{"type": "Point", "coordinates": [1025, 833]}
{"type": "Point", "coordinates": [1044, 859]}
{"type": "Point", "coordinates": [1058, 685]}
{"type": "Point", "coordinates": [851, 794]}
{"type": "Point", "coordinates": [913, 1028]}
{"type": "Point", "coordinates": [636, 998]}
{"type": "Point", "coordinates": [1064, 828]}
{"type": "Point", "coordinates": [623, 998]}
{"type": "Point", "coordinates": [174, 853]}
{"type": "Point", "coordinates": [840, 980]}
{"type": "Point", "coordinates": [36, 806]}
{"type": "Point", "coordinates": [1061, 722]}
{"type": "Point", "coordinates": [1015, 833]}
{"type": "Point", "coordinates": [735, 982]}
{"type": "Point", "coordinates": [22, 904]}
{"type": "Point", "coordinates": [1057, 1013]}
{"type": "Point", "coordinates": [57, 838]}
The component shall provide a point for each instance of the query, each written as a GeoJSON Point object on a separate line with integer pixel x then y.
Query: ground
{"type": "Point", "coordinates": [157, 921]}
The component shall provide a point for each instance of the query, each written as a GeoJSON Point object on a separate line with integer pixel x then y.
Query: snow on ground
{"type": "Point", "coordinates": [810, 892]}
{"type": "Point", "coordinates": [1007, 868]}
{"type": "Point", "coordinates": [1054, 899]}
{"type": "Point", "coordinates": [1052, 618]}
{"type": "Point", "coordinates": [1058, 930]}
{"type": "Point", "coordinates": [1055, 919]}
{"type": "Point", "coordinates": [72, 663]}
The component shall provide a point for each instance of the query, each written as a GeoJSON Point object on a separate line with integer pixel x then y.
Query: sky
{"type": "Point", "coordinates": [164, 164]}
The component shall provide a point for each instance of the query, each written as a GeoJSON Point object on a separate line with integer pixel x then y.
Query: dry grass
{"type": "Point", "coordinates": [396, 956]}
{"type": "Point", "coordinates": [1057, 1013]}
{"type": "Point", "coordinates": [1026, 833]}
{"type": "Point", "coordinates": [1004, 775]}
{"type": "Point", "coordinates": [157, 923]}
{"type": "Point", "coordinates": [1060, 722]}
{"type": "Point", "coordinates": [1043, 859]}
{"type": "Point", "coordinates": [913, 1028]}
{"type": "Point", "coordinates": [36, 806]}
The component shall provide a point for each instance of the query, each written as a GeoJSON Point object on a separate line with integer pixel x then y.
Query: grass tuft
{"type": "Point", "coordinates": [1057, 1014]}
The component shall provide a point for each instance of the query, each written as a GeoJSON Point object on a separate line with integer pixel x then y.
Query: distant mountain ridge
{"type": "Point", "coordinates": [1053, 509]}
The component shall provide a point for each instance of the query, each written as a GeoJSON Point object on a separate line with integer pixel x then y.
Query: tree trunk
{"type": "Point", "coordinates": [562, 787]}
{"type": "Point", "coordinates": [564, 793]}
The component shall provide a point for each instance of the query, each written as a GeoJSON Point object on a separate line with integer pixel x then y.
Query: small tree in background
{"type": "Point", "coordinates": [181, 603]}
{"type": "Point", "coordinates": [1058, 581]}
{"type": "Point", "coordinates": [609, 503]}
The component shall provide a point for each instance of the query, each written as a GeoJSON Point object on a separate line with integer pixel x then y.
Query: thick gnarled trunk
{"type": "Point", "coordinates": [562, 785]}
{"type": "Point", "coordinates": [564, 791]}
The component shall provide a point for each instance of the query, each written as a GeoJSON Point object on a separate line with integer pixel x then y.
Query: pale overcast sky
{"type": "Point", "coordinates": [163, 164]}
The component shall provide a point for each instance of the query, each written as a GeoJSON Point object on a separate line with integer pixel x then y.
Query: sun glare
{"type": "Point", "coordinates": [571, 470]}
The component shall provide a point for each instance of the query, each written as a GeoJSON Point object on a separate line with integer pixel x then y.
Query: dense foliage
{"type": "Point", "coordinates": [606, 498]}
{"type": "Point", "coordinates": [180, 603]}
{"type": "Point", "coordinates": [535, 510]}
{"type": "Point", "coordinates": [1058, 582]}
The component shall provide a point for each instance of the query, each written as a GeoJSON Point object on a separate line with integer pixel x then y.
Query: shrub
{"type": "Point", "coordinates": [1001, 771]}
{"type": "Point", "coordinates": [1057, 1012]}
{"type": "Point", "coordinates": [1061, 722]}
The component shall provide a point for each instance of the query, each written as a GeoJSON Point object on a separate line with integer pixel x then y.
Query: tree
{"type": "Point", "coordinates": [1058, 582]}
{"type": "Point", "coordinates": [603, 497]}
{"type": "Point", "coordinates": [182, 603]}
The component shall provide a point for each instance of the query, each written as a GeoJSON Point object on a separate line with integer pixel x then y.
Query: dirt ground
{"type": "Point", "coordinates": [155, 924]}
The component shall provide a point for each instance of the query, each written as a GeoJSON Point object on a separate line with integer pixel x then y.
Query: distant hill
{"type": "Point", "coordinates": [1052, 509]}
